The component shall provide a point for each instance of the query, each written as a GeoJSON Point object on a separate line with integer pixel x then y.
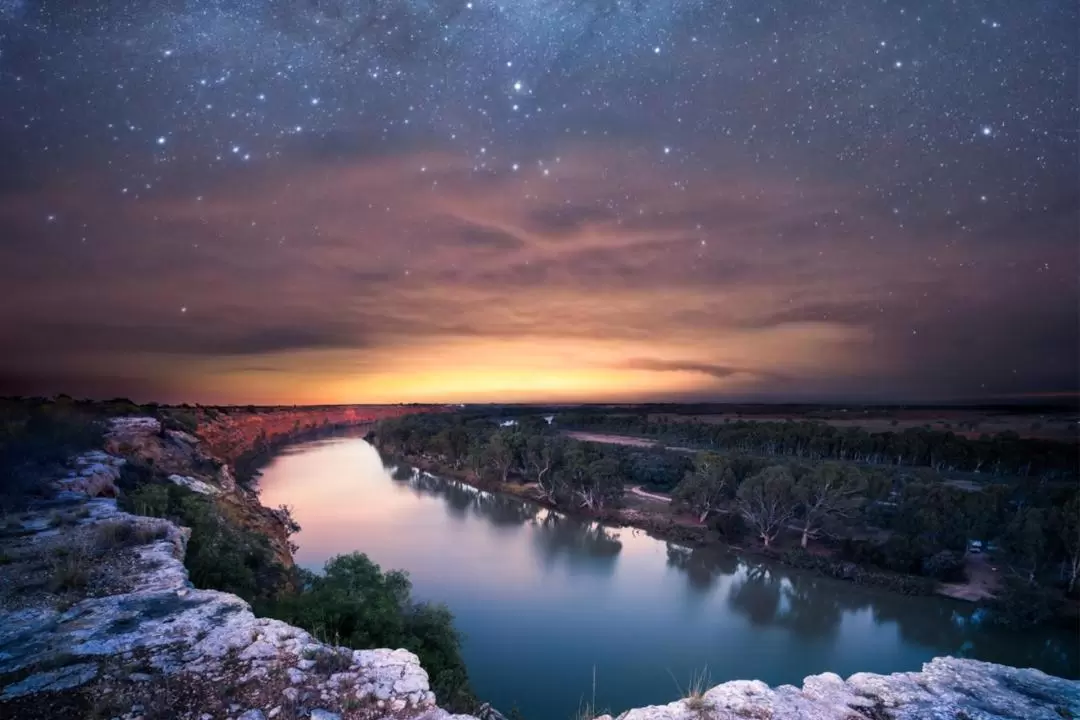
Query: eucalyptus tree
{"type": "Point", "coordinates": [767, 502]}
{"type": "Point", "coordinates": [828, 493]}
{"type": "Point", "coordinates": [707, 486]}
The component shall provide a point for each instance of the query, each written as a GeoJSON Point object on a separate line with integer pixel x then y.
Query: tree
{"type": "Point", "coordinates": [707, 486]}
{"type": "Point", "coordinates": [542, 454]}
{"type": "Point", "coordinates": [1024, 541]}
{"type": "Point", "coordinates": [829, 492]}
{"type": "Point", "coordinates": [1066, 523]}
{"type": "Point", "coordinates": [356, 604]}
{"type": "Point", "coordinates": [477, 457]}
{"type": "Point", "coordinates": [502, 452]}
{"type": "Point", "coordinates": [767, 501]}
{"type": "Point", "coordinates": [602, 485]}
{"type": "Point", "coordinates": [453, 442]}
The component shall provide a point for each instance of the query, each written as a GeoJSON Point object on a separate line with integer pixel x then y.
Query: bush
{"type": "Point", "coordinates": [356, 604]}
{"type": "Point", "coordinates": [1021, 605]}
{"type": "Point", "coordinates": [180, 420]}
{"type": "Point", "coordinates": [841, 570]}
{"type": "Point", "coordinates": [947, 566]}
{"type": "Point", "coordinates": [36, 436]}
{"type": "Point", "coordinates": [731, 525]}
{"type": "Point", "coordinates": [69, 574]}
{"type": "Point", "coordinates": [220, 555]}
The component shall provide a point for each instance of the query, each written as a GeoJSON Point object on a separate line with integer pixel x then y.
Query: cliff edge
{"type": "Point", "coordinates": [98, 619]}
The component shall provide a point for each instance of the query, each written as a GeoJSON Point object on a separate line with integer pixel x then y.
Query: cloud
{"type": "Point", "coordinates": [720, 372]}
{"type": "Point", "coordinates": [347, 275]}
{"type": "Point", "coordinates": [488, 237]}
{"type": "Point", "coordinates": [567, 220]}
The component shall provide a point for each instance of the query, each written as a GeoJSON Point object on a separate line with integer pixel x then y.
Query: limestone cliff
{"type": "Point", "coordinates": [230, 434]}
{"type": "Point", "coordinates": [98, 618]}
{"type": "Point", "coordinates": [186, 460]}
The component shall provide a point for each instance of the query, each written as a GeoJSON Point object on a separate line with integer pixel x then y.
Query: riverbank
{"type": "Point", "coordinates": [687, 531]}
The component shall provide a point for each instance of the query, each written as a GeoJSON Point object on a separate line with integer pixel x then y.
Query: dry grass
{"type": "Point", "coordinates": [587, 710]}
{"type": "Point", "coordinates": [119, 534]}
{"type": "Point", "coordinates": [694, 693]}
{"type": "Point", "coordinates": [69, 574]}
{"type": "Point", "coordinates": [328, 662]}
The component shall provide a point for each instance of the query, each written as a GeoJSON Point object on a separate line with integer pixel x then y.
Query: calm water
{"type": "Point", "coordinates": [543, 599]}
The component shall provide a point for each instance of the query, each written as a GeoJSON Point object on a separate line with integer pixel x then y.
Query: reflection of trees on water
{"type": "Point", "coordinates": [702, 566]}
{"type": "Point", "coordinates": [756, 595]}
{"type": "Point", "coordinates": [949, 628]}
{"type": "Point", "coordinates": [500, 510]}
{"type": "Point", "coordinates": [810, 606]}
{"type": "Point", "coordinates": [813, 607]}
{"type": "Point", "coordinates": [807, 605]}
{"type": "Point", "coordinates": [577, 542]}
{"type": "Point", "coordinates": [503, 510]}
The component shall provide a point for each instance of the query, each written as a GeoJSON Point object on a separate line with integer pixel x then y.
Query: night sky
{"type": "Point", "coordinates": [409, 200]}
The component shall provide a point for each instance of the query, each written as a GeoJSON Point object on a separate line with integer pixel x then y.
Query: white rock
{"type": "Point", "coordinates": [194, 484]}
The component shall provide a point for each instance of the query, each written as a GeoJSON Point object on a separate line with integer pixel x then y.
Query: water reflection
{"type": "Point", "coordinates": [637, 608]}
{"type": "Point", "coordinates": [559, 537]}
{"type": "Point", "coordinates": [576, 542]}
{"type": "Point", "coordinates": [703, 566]}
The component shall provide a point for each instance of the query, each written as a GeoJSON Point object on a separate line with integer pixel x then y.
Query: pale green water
{"type": "Point", "coordinates": [543, 599]}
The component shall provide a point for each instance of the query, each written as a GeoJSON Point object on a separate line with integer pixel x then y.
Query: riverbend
{"type": "Point", "coordinates": [541, 595]}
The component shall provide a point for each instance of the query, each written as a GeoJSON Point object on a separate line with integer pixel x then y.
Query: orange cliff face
{"type": "Point", "coordinates": [229, 433]}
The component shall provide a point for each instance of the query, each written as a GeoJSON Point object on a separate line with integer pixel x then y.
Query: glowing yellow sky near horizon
{"type": "Point", "coordinates": [534, 369]}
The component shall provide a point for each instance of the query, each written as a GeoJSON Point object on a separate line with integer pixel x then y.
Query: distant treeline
{"type": "Point", "coordinates": [1001, 454]}
{"type": "Point", "coordinates": [908, 520]}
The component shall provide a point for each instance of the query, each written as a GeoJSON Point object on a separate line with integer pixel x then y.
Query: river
{"type": "Point", "coordinates": [543, 599]}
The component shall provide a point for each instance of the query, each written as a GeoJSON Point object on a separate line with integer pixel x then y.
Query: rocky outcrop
{"type": "Point", "coordinates": [98, 619]}
{"type": "Point", "coordinates": [185, 460]}
{"type": "Point", "coordinates": [946, 689]}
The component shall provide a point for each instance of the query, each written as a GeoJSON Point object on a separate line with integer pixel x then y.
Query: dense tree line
{"type": "Point", "coordinates": [904, 520]}
{"type": "Point", "coordinates": [997, 455]}
{"type": "Point", "coordinates": [567, 473]}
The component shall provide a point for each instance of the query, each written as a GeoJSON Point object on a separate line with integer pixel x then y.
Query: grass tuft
{"type": "Point", "coordinates": [69, 574]}
{"type": "Point", "coordinates": [120, 534]}
{"type": "Point", "coordinates": [694, 693]}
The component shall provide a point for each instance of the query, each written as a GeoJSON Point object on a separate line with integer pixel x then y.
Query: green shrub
{"type": "Point", "coordinates": [183, 420]}
{"type": "Point", "coordinates": [1022, 605]}
{"type": "Point", "coordinates": [843, 570]}
{"type": "Point", "coordinates": [220, 555]}
{"type": "Point", "coordinates": [947, 566]}
{"type": "Point", "coordinates": [356, 604]}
